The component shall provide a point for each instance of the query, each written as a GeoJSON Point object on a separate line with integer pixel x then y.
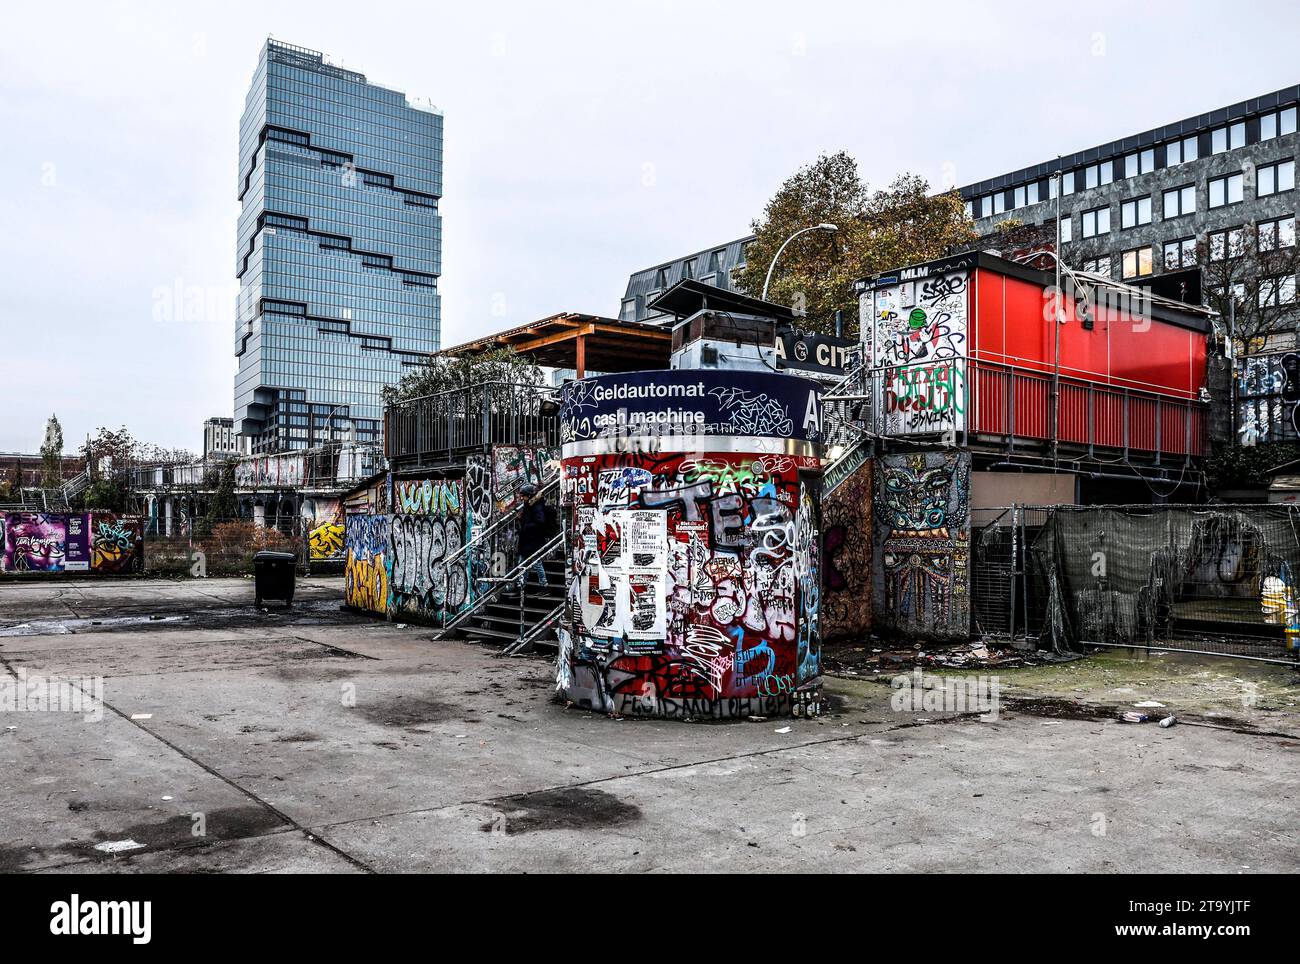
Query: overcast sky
{"type": "Point", "coordinates": [583, 141]}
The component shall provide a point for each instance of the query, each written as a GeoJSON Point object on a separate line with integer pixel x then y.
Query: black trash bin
{"type": "Point", "coordinates": [274, 575]}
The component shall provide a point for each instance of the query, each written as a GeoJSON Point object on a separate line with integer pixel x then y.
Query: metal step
{"type": "Point", "coordinates": [838, 471]}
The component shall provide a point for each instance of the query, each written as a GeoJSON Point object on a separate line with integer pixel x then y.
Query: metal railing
{"type": "Point", "coordinates": [960, 397]}
{"type": "Point", "coordinates": [446, 426]}
{"type": "Point", "coordinates": [496, 583]}
{"type": "Point", "coordinates": [482, 538]}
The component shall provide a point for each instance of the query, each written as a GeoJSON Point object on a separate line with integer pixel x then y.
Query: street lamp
{"type": "Point", "coordinates": [829, 228]}
{"type": "Point", "coordinates": [329, 418]}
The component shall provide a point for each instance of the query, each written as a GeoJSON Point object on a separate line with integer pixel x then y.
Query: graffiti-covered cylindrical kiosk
{"type": "Point", "coordinates": [692, 510]}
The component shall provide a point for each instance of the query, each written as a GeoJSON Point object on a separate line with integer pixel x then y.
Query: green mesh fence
{"type": "Point", "coordinates": [1219, 579]}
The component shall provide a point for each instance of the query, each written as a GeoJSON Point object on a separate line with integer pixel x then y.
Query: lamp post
{"type": "Point", "coordinates": [829, 228]}
{"type": "Point", "coordinates": [329, 418]}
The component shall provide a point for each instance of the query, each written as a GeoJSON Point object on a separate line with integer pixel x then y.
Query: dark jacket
{"type": "Point", "coordinates": [533, 529]}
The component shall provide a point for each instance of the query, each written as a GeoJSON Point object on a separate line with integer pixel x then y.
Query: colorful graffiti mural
{"type": "Point", "coordinates": [34, 542]}
{"type": "Point", "coordinates": [428, 525]}
{"type": "Point", "coordinates": [694, 584]}
{"type": "Point", "coordinates": [922, 526]}
{"type": "Point", "coordinates": [425, 522]}
{"type": "Point", "coordinates": [921, 343]}
{"type": "Point", "coordinates": [117, 543]}
{"type": "Point", "coordinates": [366, 562]}
{"type": "Point", "coordinates": [847, 558]}
{"type": "Point", "coordinates": [71, 542]}
{"type": "Point", "coordinates": [322, 524]}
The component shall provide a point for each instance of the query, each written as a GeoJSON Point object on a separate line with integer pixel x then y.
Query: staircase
{"type": "Point", "coordinates": [847, 411]}
{"type": "Point", "coordinates": [501, 614]}
{"type": "Point", "coordinates": [519, 622]}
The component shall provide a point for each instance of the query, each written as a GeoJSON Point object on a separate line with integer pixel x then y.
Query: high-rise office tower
{"type": "Point", "coordinates": [339, 249]}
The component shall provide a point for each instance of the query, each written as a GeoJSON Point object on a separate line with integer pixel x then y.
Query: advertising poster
{"type": "Point", "coordinates": [76, 552]}
{"type": "Point", "coordinates": [34, 542]}
{"type": "Point", "coordinates": [648, 614]}
{"type": "Point", "coordinates": [645, 539]}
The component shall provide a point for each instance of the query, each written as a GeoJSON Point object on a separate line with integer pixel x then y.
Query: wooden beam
{"type": "Point", "coordinates": [581, 366]}
{"type": "Point", "coordinates": [545, 340]}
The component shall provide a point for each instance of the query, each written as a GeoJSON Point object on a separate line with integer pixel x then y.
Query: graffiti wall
{"type": "Point", "coordinates": [323, 530]}
{"type": "Point", "coordinates": [922, 539]}
{"type": "Point", "coordinates": [512, 467]}
{"type": "Point", "coordinates": [116, 543]}
{"type": "Point", "coordinates": [428, 525]}
{"type": "Point", "coordinates": [269, 471]}
{"type": "Point", "coordinates": [921, 343]}
{"type": "Point", "coordinates": [1268, 387]}
{"type": "Point", "coordinates": [71, 542]}
{"type": "Point", "coordinates": [398, 534]}
{"type": "Point", "coordinates": [366, 561]}
{"type": "Point", "coordinates": [847, 558]}
{"type": "Point", "coordinates": [694, 583]}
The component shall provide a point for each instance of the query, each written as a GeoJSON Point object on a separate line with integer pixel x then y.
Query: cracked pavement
{"type": "Point", "coordinates": [234, 740]}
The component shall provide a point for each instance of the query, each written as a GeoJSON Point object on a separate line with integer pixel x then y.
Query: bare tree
{"type": "Point", "coordinates": [1248, 275]}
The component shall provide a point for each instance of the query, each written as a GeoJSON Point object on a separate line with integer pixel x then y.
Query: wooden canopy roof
{"type": "Point", "coordinates": [582, 342]}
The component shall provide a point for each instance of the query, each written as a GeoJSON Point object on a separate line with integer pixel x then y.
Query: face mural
{"type": "Point", "coordinates": [923, 532]}
{"type": "Point", "coordinates": [694, 586]}
{"type": "Point", "coordinates": [116, 543]}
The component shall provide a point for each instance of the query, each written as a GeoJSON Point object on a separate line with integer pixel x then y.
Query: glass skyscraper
{"type": "Point", "coordinates": [339, 249]}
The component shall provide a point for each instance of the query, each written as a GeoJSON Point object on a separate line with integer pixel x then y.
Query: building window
{"type": "Point", "coordinates": [1180, 253]}
{"type": "Point", "coordinates": [1067, 183]}
{"type": "Point", "coordinates": [1094, 175]}
{"type": "Point", "coordinates": [1277, 291]}
{"type": "Point", "coordinates": [1181, 151]}
{"type": "Point", "coordinates": [1277, 124]}
{"type": "Point", "coordinates": [1180, 201]}
{"type": "Point", "coordinates": [688, 269]}
{"type": "Point", "coordinates": [1067, 229]}
{"type": "Point", "coordinates": [1272, 178]}
{"type": "Point", "coordinates": [1229, 243]}
{"type": "Point", "coordinates": [1225, 190]}
{"type": "Point", "coordinates": [970, 210]}
{"type": "Point", "coordinates": [1140, 162]}
{"type": "Point", "coordinates": [1228, 138]}
{"type": "Point", "coordinates": [999, 202]}
{"type": "Point", "coordinates": [1137, 263]}
{"type": "Point", "coordinates": [1098, 265]}
{"type": "Point", "coordinates": [986, 206]}
{"type": "Point", "coordinates": [1276, 234]}
{"type": "Point", "coordinates": [1135, 212]}
{"type": "Point", "coordinates": [1026, 194]}
{"type": "Point", "coordinates": [1095, 222]}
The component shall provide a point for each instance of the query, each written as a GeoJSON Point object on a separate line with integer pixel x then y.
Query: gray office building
{"type": "Point", "coordinates": [1202, 210]}
{"type": "Point", "coordinates": [714, 266]}
{"type": "Point", "coordinates": [339, 249]}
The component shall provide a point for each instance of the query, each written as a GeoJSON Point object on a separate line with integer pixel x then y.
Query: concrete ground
{"type": "Point", "coordinates": [235, 740]}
